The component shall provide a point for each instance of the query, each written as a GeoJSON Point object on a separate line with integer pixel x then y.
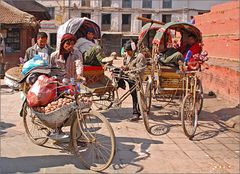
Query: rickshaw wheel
{"type": "Point", "coordinates": [143, 109]}
{"type": "Point", "coordinates": [34, 128]}
{"type": "Point", "coordinates": [93, 140]}
{"type": "Point", "coordinates": [148, 95]}
{"type": "Point", "coordinates": [199, 96]}
{"type": "Point", "coordinates": [189, 116]}
{"type": "Point", "coordinates": [104, 101]}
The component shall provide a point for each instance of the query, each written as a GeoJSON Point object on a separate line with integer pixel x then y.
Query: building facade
{"type": "Point", "coordinates": [16, 30]}
{"type": "Point", "coordinates": [118, 18]}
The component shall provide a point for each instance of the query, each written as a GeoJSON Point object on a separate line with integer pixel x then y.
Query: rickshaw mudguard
{"type": "Point", "coordinates": [177, 26]}
{"type": "Point", "coordinates": [22, 110]}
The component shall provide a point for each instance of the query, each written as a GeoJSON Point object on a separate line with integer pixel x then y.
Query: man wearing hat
{"type": "Point", "coordinates": [92, 52]}
{"type": "Point", "coordinates": [134, 62]}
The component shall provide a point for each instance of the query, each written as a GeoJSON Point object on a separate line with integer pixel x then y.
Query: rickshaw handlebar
{"type": "Point", "coordinates": [135, 70]}
{"type": "Point", "coordinates": [149, 20]}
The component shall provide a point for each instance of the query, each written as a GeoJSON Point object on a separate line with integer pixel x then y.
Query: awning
{"type": "Point", "coordinates": [12, 15]}
{"type": "Point", "coordinates": [32, 7]}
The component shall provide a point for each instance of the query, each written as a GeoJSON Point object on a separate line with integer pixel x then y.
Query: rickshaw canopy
{"type": "Point", "coordinates": [78, 27]}
{"type": "Point", "coordinates": [177, 27]}
{"type": "Point", "coordinates": [146, 28]}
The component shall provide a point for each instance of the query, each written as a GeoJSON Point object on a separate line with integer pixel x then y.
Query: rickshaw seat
{"type": "Point", "coordinates": [93, 74]}
{"type": "Point", "coordinates": [168, 72]}
{"type": "Point", "coordinates": [100, 86]}
{"type": "Point", "coordinates": [96, 81]}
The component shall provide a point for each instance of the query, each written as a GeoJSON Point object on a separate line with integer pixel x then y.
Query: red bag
{"type": "Point", "coordinates": [43, 91]}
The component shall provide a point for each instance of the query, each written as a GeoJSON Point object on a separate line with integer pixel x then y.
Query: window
{"type": "Point", "coordinates": [106, 22]}
{"type": "Point", "coordinates": [126, 19]}
{"type": "Point", "coordinates": [88, 15]}
{"type": "Point", "coordinates": [106, 3]}
{"type": "Point", "coordinates": [149, 16]}
{"type": "Point", "coordinates": [126, 3]}
{"type": "Point", "coordinates": [85, 3]}
{"type": "Point", "coordinates": [13, 40]}
{"type": "Point", "coordinates": [53, 39]}
{"type": "Point", "coordinates": [51, 11]}
{"type": "Point", "coordinates": [147, 4]}
{"type": "Point", "coordinates": [106, 18]}
{"type": "Point", "coordinates": [166, 18]}
{"type": "Point", "coordinates": [126, 22]}
{"type": "Point", "coordinates": [167, 3]}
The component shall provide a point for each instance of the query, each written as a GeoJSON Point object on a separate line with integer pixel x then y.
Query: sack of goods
{"type": "Point", "coordinates": [36, 61]}
{"type": "Point", "coordinates": [42, 92]}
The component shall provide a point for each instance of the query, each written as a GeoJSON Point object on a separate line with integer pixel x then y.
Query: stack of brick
{"type": "Point", "coordinates": [221, 36]}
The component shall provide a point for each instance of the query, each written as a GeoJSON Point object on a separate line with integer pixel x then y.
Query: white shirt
{"type": "Point", "coordinates": [84, 44]}
{"type": "Point", "coordinates": [43, 52]}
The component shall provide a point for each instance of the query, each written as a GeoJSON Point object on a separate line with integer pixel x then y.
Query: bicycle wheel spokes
{"type": "Point", "coordinates": [143, 109]}
{"type": "Point", "coordinates": [34, 128]}
{"type": "Point", "coordinates": [189, 116]}
{"type": "Point", "coordinates": [104, 101]}
{"type": "Point", "coordinates": [199, 96]}
{"type": "Point", "coordinates": [95, 145]}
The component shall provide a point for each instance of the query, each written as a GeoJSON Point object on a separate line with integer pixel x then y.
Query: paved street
{"type": "Point", "coordinates": [214, 149]}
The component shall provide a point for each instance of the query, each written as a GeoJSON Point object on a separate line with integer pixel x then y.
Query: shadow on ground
{"type": "Point", "coordinates": [31, 164]}
{"type": "Point", "coordinates": [4, 126]}
{"type": "Point", "coordinates": [127, 155]}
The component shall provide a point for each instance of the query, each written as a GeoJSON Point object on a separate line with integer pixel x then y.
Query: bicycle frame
{"type": "Point", "coordinates": [190, 83]}
{"type": "Point", "coordinates": [136, 86]}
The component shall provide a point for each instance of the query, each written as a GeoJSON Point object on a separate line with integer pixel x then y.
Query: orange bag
{"type": "Point", "coordinates": [43, 91]}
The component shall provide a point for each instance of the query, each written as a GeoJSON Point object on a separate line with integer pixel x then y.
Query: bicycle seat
{"type": "Point", "coordinates": [117, 70]}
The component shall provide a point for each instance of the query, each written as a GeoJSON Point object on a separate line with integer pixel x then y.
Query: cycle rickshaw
{"type": "Point", "coordinates": [97, 82]}
{"type": "Point", "coordinates": [166, 83]}
{"type": "Point", "coordinates": [91, 137]}
{"type": "Point", "coordinates": [102, 88]}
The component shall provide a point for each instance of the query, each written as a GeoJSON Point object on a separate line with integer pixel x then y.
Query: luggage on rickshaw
{"type": "Point", "coordinates": [12, 76]}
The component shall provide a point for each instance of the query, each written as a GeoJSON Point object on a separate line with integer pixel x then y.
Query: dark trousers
{"type": "Point", "coordinates": [134, 97]}
{"type": "Point", "coordinates": [121, 84]}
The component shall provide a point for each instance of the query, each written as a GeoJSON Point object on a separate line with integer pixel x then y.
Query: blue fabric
{"type": "Point", "coordinates": [188, 56]}
{"type": "Point", "coordinates": [37, 60]}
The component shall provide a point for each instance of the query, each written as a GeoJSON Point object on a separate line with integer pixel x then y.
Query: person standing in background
{"type": "Point", "coordinates": [41, 48]}
{"type": "Point", "coordinates": [192, 20]}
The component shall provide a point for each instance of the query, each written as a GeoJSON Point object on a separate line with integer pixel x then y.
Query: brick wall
{"type": "Point", "coordinates": [221, 37]}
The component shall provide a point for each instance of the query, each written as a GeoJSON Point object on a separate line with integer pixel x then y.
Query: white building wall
{"type": "Point", "coordinates": [136, 3]}
{"type": "Point", "coordinates": [116, 3]}
{"type": "Point", "coordinates": [61, 11]}
{"type": "Point", "coordinates": [135, 24]}
{"type": "Point", "coordinates": [115, 22]}
{"type": "Point", "coordinates": [156, 4]}
{"type": "Point", "coordinates": [197, 4]}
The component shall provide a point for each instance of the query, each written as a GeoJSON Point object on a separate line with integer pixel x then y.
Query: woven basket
{"type": "Point", "coordinates": [56, 118]}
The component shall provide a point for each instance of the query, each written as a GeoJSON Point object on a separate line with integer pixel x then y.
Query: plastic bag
{"type": "Point", "coordinates": [43, 91]}
{"type": "Point", "coordinates": [37, 60]}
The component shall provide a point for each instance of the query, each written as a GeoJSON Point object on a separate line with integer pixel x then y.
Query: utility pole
{"type": "Point", "coordinates": [69, 9]}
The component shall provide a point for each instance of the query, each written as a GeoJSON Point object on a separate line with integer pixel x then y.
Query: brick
{"type": "Point", "coordinates": [226, 48]}
{"type": "Point", "coordinates": [226, 6]}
